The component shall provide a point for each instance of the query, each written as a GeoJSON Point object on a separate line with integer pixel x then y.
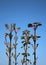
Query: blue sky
{"type": "Point", "coordinates": [23, 12]}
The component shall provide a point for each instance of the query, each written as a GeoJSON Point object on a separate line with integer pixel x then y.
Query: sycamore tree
{"type": "Point", "coordinates": [34, 26]}
{"type": "Point", "coordinates": [25, 41]}
{"type": "Point", "coordinates": [8, 42]}
{"type": "Point", "coordinates": [15, 55]}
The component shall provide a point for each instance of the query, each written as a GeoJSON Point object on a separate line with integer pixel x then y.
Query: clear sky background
{"type": "Point", "coordinates": [23, 12]}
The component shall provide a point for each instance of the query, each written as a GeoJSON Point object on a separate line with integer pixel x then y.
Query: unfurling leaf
{"type": "Point", "coordinates": [6, 53]}
{"type": "Point", "coordinates": [17, 29]}
{"type": "Point", "coordinates": [22, 47]}
{"type": "Point", "coordinates": [7, 26]}
{"type": "Point", "coordinates": [13, 26]}
{"type": "Point", "coordinates": [23, 41]}
{"type": "Point", "coordinates": [28, 54]}
{"type": "Point", "coordinates": [18, 54]}
{"type": "Point", "coordinates": [37, 23]}
{"type": "Point", "coordinates": [31, 25]}
{"type": "Point", "coordinates": [37, 45]}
